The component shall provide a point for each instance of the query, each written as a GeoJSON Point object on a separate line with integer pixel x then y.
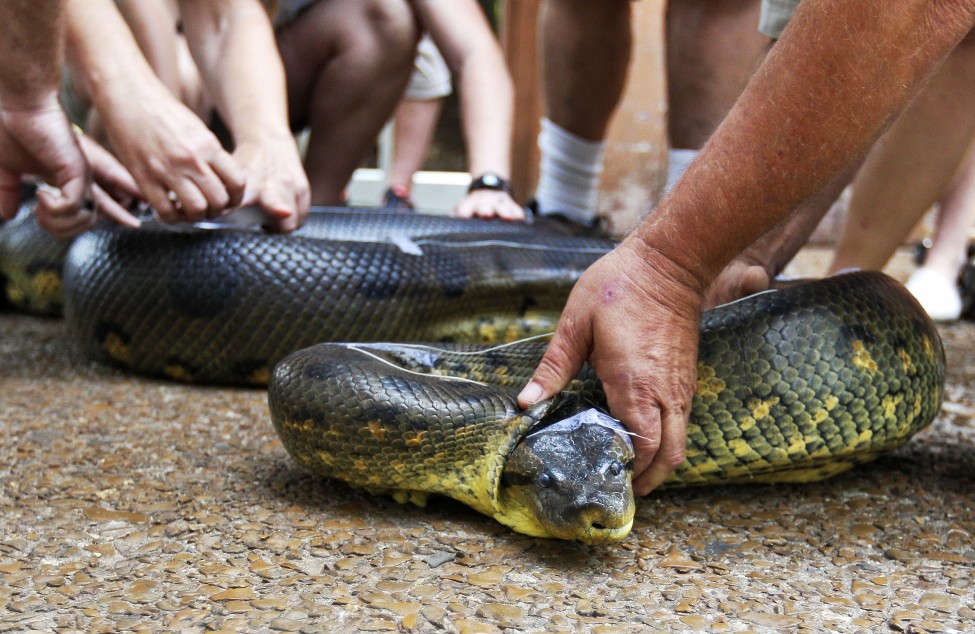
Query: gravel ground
{"type": "Point", "coordinates": [131, 505]}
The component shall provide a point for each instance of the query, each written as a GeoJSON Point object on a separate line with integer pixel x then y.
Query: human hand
{"type": "Point", "coordinates": [40, 141]}
{"type": "Point", "coordinates": [742, 277]}
{"type": "Point", "coordinates": [177, 162]}
{"type": "Point", "coordinates": [489, 203]}
{"type": "Point", "coordinates": [635, 315]}
{"type": "Point", "coordinates": [113, 187]}
{"type": "Point", "coordinates": [276, 181]}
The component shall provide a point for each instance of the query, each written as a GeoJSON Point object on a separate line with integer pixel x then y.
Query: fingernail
{"type": "Point", "coordinates": [531, 393]}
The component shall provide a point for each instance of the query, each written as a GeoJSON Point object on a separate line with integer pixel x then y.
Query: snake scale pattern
{"type": "Point", "coordinates": [793, 385]}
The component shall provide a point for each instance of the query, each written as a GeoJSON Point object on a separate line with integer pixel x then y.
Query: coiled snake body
{"type": "Point", "coordinates": [793, 385]}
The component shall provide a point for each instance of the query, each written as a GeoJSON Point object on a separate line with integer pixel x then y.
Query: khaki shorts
{"type": "Point", "coordinates": [431, 75]}
{"type": "Point", "coordinates": [775, 15]}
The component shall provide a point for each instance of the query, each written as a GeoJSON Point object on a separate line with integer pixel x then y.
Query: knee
{"type": "Point", "coordinates": [388, 32]}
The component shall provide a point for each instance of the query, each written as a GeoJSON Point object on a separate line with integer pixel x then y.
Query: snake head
{"type": "Point", "coordinates": [570, 477]}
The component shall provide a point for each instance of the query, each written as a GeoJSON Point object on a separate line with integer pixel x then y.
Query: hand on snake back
{"type": "Point", "coordinates": [637, 324]}
{"type": "Point", "coordinates": [489, 203]}
{"type": "Point", "coordinates": [276, 181]}
{"type": "Point", "coordinates": [177, 161]}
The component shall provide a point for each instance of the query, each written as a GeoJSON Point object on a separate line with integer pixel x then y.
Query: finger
{"type": "Point", "coordinates": [71, 186]}
{"type": "Point", "coordinates": [510, 210]}
{"type": "Point", "coordinates": [107, 170]}
{"type": "Point", "coordinates": [190, 202]}
{"type": "Point", "coordinates": [60, 224]}
{"type": "Point", "coordinates": [668, 456]}
{"type": "Point", "coordinates": [159, 199]}
{"type": "Point", "coordinates": [303, 205]}
{"type": "Point", "coordinates": [109, 208]}
{"type": "Point", "coordinates": [562, 361]}
{"type": "Point", "coordinates": [631, 400]}
{"type": "Point", "coordinates": [232, 175]}
{"type": "Point", "coordinates": [283, 217]}
{"type": "Point", "coordinates": [213, 190]}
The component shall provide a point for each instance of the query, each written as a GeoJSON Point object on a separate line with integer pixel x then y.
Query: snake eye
{"type": "Point", "coordinates": [615, 468]}
{"type": "Point", "coordinates": [544, 480]}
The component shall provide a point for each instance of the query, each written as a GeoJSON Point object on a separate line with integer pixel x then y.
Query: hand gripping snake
{"type": "Point", "coordinates": [793, 385]}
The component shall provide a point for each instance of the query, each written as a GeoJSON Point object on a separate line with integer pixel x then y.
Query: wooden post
{"type": "Point", "coordinates": [518, 26]}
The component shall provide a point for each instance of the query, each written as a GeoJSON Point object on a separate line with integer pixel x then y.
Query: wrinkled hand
{"type": "Point", "coordinates": [489, 203]}
{"type": "Point", "coordinates": [637, 322]}
{"type": "Point", "coordinates": [178, 163]}
{"type": "Point", "coordinates": [276, 181]}
{"type": "Point", "coordinates": [742, 277]}
{"type": "Point", "coordinates": [41, 142]}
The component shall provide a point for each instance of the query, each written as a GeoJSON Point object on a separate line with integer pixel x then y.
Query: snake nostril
{"type": "Point", "coordinates": [596, 526]}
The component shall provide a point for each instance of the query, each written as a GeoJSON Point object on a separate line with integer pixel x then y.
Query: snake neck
{"type": "Point", "coordinates": [486, 490]}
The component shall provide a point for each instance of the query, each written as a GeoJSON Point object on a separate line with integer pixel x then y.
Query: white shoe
{"type": "Point", "coordinates": [938, 295]}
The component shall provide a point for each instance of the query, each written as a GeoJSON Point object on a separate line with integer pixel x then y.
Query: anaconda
{"type": "Point", "coordinates": [223, 306]}
{"type": "Point", "coordinates": [793, 385]}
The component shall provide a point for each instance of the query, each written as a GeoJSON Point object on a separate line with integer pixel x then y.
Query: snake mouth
{"type": "Point", "coordinates": [598, 534]}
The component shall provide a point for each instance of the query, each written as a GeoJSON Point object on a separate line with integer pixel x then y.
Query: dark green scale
{"type": "Point", "coordinates": [30, 264]}
{"type": "Point", "coordinates": [794, 385]}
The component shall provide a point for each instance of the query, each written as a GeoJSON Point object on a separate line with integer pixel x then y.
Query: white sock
{"type": "Point", "coordinates": [677, 162]}
{"type": "Point", "coordinates": [569, 173]}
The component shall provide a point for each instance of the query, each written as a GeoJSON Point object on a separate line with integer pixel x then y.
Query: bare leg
{"type": "Point", "coordinates": [713, 47]}
{"type": "Point", "coordinates": [414, 124]}
{"type": "Point", "coordinates": [935, 284]}
{"type": "Point", "coordinates": [347, 63]}
{"type": "Point", "coordinates": [585, 54]}
{"type": "Point", "coordinates": [585, 49]}
{"type": "Point", "coordinates": [955, 218]}
{"type": "Point", "coordinates": [911, 166]}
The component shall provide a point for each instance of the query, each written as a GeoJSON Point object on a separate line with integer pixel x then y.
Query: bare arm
{"type": "Point", "coordinates": [153, 26]}
{"type": "Point", "coordinates": [177, 162]}
{"type": "Point", "coordinates": [233, 44]}
{"type": "Point", "coordinates": [468, 45]}
{"type": "Point", "coordinates": [35, 136]}
{"type": "Point", "coordinates": [32, 50]}
{"type": "Point", "coordinates": [834, 81]}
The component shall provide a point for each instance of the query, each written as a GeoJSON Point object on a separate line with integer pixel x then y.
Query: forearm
{"type": "Point", "coordinates": [102, 48]}
{"type": "Point", "coordinates": [827, 90]}
{"type": "Point", "coordinates": [233, 43]}
{"type": "Point", "coordinates": [154, 29]}
{"type": "Point", "coordinates": [487, 114]}
{"type": "Point", "coordinates": [468, 45]}
{"type": "Point", "coordinates": [32, 50]}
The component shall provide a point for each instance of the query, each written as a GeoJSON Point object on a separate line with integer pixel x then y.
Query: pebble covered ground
{"type": "Point", "coordinates": [129, 504]}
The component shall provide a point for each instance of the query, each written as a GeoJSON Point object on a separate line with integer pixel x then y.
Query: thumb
{"type": "Point", "coordinates": [561, 363]}
{"type": "Point", "coordinates": [71, 183]}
